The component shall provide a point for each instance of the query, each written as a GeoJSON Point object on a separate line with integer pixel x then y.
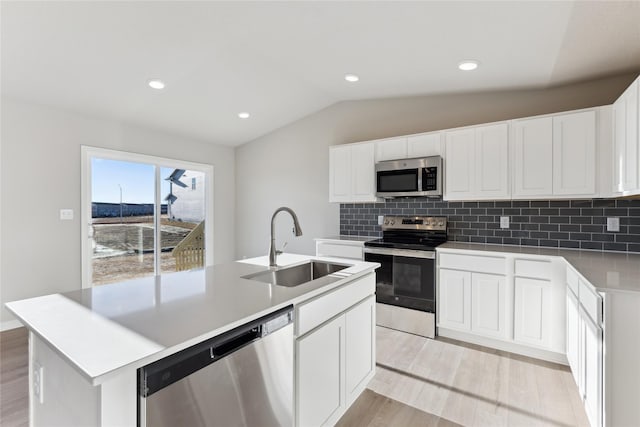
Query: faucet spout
{"type": "Point", "coordinates": [273, 253]}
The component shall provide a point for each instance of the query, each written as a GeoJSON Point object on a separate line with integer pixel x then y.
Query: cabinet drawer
{"type": "Point", "coordinates": [475, 263]}
{"type": "Point", "coordinates": [591, 302]}
{"type": "Point", "coordinates": [322, 308]}
{"type": "Point", "coordinates": [538, 269]}
{"type": "Point", "coordinates": [340, 251]}
{"type": "Point", "coordinates": [572, 280]}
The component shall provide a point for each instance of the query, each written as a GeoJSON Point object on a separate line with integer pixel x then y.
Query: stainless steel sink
{"type": "Point", "coordinates": [297, 274]}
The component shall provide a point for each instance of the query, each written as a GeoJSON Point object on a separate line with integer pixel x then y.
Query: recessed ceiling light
{"type": "Point", "coordinates": [468, 65]}
{"type": "Point", "coordinates": [156, 84]}
{"type": "Point", "coordinates": [351, 78]}
{"type": "Point", "coordinates": [243, 115]}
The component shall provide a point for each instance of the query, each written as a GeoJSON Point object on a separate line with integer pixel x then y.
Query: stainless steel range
{"type": "Point", "coordinates": [406, 280]}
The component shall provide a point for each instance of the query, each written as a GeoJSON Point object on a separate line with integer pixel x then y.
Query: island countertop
{"type": "Point", "coordinates": [105, 329]}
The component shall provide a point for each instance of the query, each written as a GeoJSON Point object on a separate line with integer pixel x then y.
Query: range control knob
{"type": "Point", "coordinates": [386, 222]}
{"type": "Point", "coordinates": [441, 223]}
{"type": "Point", "coordinates": [392, 222]}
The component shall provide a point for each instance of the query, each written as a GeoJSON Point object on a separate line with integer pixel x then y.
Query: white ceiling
{"type": "Point", "coordinates": [281, 61]}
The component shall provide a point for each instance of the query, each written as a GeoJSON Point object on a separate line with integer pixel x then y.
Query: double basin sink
{"type": "Point", "coordinates": [297, 274]}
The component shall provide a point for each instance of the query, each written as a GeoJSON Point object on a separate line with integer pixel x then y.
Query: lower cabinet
{"type": "Point", "coordinates": [472, 302]}
{"type": "Point", "coordinates": [532, 311]}
{"type": "Point", "coordinates": [573, 337]}
{"type": "Point", "coordinates": [334, 363]}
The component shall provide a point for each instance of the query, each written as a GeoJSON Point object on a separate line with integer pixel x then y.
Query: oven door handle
{"type": "Point", "coordinates": [407, 253]}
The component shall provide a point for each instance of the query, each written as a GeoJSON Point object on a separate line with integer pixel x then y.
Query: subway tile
{"type": "Point", "coordinates": [455, 204]}
{"type": "Point", "coordinates": [570, 211]}
{"type": "Point", "coordinates": [470, 218]}
{"type": "Point", "coordinates": [540, 219]}
{"type": "Point", "coordinates": [503, 233]}
{"type": "Point", "coordinates": [550, 227]}
{"type": "Point", "coordinates": [550, 211]}
{"type": "Point", "coordinates": [539, 235]}
{"type": "Point", "coordinates": [478, 211]}
{"type": "Point", "coordinates": [511, 211]}
{"type": "Point", "coordinates": [494, 240]}
{"type": "Point", "coordinates": [549, 243]}
{"type": "Point", "coordinates": [590, 228]}
{"type": "Point", "coordinates": [478, 239]}
{"type": "Point", "coordinates": [581, 204]}
{"type": "Point", "coordinates": [448, 211]}
{"type": "Point", "coordinates": [598, 237]}
{"type": "Point", "coordinates": [591, 245]}
{"type": "Point", "coordinates": [463, 211]}
{"type": "Point", "coordinates": [478, 225]}
{"type": "Point", "coordinates": [592, 211]}
{"type": "Point", "coordinates": [486, 204]}
{"type": "Point", "coordinates": [616, 211]}
{"type": "Point", "coordinates": [580, 220]}
{"type": "Point", "coordinates": [559, 203]}
{"type": "Point", "coordinates": [520, 203]}
{"type": "Point", "coordinates": [519, 218]}
{"type": "Point", "coordinates": [494, 211]}
{"type": "Point", "coordinates": [627, 238]}
{"type": "Point", "coordinates": [485, 218]}
{"type": "Point", "coordinates": [493, 225]}
{"type": "Point", "coordinates": [470, 204]}
{"type": "Point", "coordinates": [633, 248]}
{"type": "Point", "coordinates": [559, 235]}
{"type": "Point", "coordinates": [540, 204]}
{"type": "Point", "coordinates": [569, 244]}
{"type": "Point", "coordinates": [485, 232]}
{"type": "Point", "coordinates": [503, 204]}
{"type": "Point", "coordinates": [529, 242]}
{"type": "Point", "coordinates": [615, 246]}
{"type": "Point", "coordinates": [470, 232]}
{"type": "Point", "coordinates": [580, 236]}
{"type": "Point", "coordinates": [510, 241]}
{"type": "Point", "coordinates": [604, 203]}
{"type": "Point", "coordinates": [530, 227]}
{"type": "Point", "coordinates": [530, 211]}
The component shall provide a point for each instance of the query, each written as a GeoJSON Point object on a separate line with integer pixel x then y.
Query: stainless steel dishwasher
{"type": "Point", "coordinates": [243, 377]}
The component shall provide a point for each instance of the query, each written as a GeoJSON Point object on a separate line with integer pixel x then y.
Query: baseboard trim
{"type": "Point", "coordinates": [523, 350]}
{"type": "Point", "coordinates": [10, 324]}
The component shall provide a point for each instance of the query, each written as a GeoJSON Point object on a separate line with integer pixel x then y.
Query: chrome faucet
{"type": "Point", "coordinates": [273, 253]}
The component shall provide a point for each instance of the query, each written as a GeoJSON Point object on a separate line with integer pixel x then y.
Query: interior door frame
{"type": "Point", "coordinates": [88, 152]}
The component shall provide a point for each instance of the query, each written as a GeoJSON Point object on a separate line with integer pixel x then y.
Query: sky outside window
{"type": "Point", "coordinates": [136, 179]}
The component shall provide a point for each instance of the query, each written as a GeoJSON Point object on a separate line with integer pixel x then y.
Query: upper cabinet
{"type": "Point", "coordinates": [351, 173]}
{"type": "Point", "coordinates": [476, 165]}
{"type": "Point", "coordinates": [423, 145]}
{"type": "Point", "coordinates": [626, 141]}
{"type": "Point", "coordinates": [555, 157]}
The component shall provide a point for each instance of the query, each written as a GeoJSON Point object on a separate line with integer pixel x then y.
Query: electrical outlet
{"type": "Point", "coordinates": [38, 381]}
{"type": "Point", "coordinates": [504, 222]}
{"type": "Point", "coordinates": [613, 224]}
{"type": "Point", "coordinates": [380, 219]}
{"type": "Point", "coordinates": [66, 214]}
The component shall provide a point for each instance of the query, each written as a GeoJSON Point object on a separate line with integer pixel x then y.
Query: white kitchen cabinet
{"type": "Point", "coordinates": [454, 299]}
{"type": "Point", "coordinates": [592, 368]}
{"type": "Point", "coordinates": [573, 337]}
{"type": "Point", "coordinates": [360, 348]}
{"type": "Point", "coordinates": [460, 158]}
{"type": "Point", "coordinates": [574, 154]}
{"type": "Point", "coordinates": [532, 143]}
{"type": "Point", "coordinates": [391, 149]}
{"type": "Point", "coordinates": [532, 311]}
{"type": "Point", "coordinates": [335, 351]}
{"type": "Point", "coordinates": [342, 248]}
{"type": "Point", "coordinates": [477, 163]}
{"type": "Point", "coordinates": [488, 304]}
{"type": "Point", "coordinates": [320, 375]}
{"type": "Point", "coordinates": [424, 145]}
{"type": "Point", "coordinates": [352, 173]}
{"type": "Point", "coordinates": [555, 156]}
{"type": "Point", "coordinates": [626, 139]}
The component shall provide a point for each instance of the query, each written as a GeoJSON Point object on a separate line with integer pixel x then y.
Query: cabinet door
{"type": "Point", "coordinates": [320, 375]}
{"type": "Point", "coordinates": [573, 338]}
{"type": "Point", "coordinates": [488, 304]}
{"type": "Point", "coordinates": [460, 164]}
{"type": "Point", "coordinates": [532, 157]}
{"type": "Point", "coordinates": [340, 173]}
{"type": "Point", "coordinates": [360, 347]}
{"type": "Point", "coordinates": [425, 145]}
{"type": "Point", "coordinates": [625, 139]}
{"type": "Point", "coordinates": [454, 299]}
{"type": "Point", "coordinates": [592, 370]}
{"type": "Point", "coordinates": [532, 312]}
{"type": "Point", "coordinates": [391, 149]}
{"type": "Point", "coordinates": [574, 154]}
{"type": "Point", "coordinates": [492, 169]}
{"type": "Point", "coordinates": [363, 172]}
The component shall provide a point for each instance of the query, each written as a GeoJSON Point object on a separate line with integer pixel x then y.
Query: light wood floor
{"type": "Point", "coordinates": [419, 382]}
{"type": "Point", "coordinates": [443, 382]}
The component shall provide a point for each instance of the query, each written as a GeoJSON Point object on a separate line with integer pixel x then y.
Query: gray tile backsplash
{"type": "Point", "coordinates": [550, 223]}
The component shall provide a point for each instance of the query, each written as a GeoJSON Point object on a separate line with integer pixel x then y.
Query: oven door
{"type": "Point", "coordinates": [406, 278]}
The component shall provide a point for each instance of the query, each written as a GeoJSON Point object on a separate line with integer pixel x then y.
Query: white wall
{"type": "Point", "coordinates": [290, 166]}
{"type": "Point", "coordinates": [40, 174]}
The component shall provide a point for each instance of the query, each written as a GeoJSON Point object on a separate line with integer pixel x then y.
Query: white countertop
{"type": "Point", "coordinates": [606, 271]}
{"type": "Point", "coordinates": [109, 328]}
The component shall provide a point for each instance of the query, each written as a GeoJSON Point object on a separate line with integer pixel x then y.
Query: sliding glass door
{"type": "Point", "coordinates": [145, 216]}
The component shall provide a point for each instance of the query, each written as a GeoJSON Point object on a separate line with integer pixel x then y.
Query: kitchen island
{"type": "Point", "coordinates": [86, 346]}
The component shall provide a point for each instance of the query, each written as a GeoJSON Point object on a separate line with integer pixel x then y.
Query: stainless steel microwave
{"type": "Point", "coordinates": [421, 177]}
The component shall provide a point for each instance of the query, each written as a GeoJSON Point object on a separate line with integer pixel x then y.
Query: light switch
{"type": "Point", "coordinates": [504, 222]}
{"type": "Point", "coordinates": [66, 214]}
{"type": "Point", "coordinates": [613, 224]}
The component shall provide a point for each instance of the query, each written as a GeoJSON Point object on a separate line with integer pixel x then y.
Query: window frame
{"type": "Point", "coordinates": [88, 153]}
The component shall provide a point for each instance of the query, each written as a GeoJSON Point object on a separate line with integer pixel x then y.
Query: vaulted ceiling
{"type": "Point", "coordinates": [281, 61]}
